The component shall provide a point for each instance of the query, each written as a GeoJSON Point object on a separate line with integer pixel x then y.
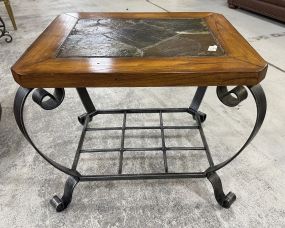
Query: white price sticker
{"type": "Point", "coordinates": [213, 48]}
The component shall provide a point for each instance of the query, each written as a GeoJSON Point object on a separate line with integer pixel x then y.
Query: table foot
{"type": "Point", "coordinates": [61, 203]}
{"type": "Point", "coordinates": [224, 200]}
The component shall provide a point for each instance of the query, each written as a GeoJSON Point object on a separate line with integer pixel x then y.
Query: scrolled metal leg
{"type": "Point", "coordinates": [19, 103]}
{"type": "Point", "coordinates": [54, 101]}
{"type": "Point", "coordinates": [260, 101]}
{"type": "Point", "coordinates": [61, 203]}
{"type": "Point", "coordinates": [196, 102]}
{"type": "Point", "coordinates": [228, 99]}
{"type": "Point", "coordinates": [224, 200]}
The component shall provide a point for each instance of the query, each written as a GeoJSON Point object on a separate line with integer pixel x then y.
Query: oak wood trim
{"type": "Point", "coordinates": [140, 15]}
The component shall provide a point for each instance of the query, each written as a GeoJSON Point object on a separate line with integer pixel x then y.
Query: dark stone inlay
{"type": "Point", "coordinates": [139, 38]}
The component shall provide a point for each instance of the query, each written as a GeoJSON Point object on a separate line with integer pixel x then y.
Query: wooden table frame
{"type": "Point", "coordinates": [39, 68]}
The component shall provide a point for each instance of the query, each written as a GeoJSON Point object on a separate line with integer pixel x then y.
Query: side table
{"type": "Point", "coordinates": [140, 50]}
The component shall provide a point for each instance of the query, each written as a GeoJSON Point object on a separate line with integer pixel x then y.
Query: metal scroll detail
{"type": "Point", "coordinates": [233, 97]}
{"type": "Point", "coordinates": [53, 101]}
{"type": "Point", "coordinates": [261, 105]}
{"type": "Point", "coordinates": [4, 33]}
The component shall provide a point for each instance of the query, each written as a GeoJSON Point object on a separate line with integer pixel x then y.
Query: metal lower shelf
{"type": "Point", "coordinates": [163, 148]}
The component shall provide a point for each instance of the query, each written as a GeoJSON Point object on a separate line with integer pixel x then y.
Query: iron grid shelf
{"type": "Point", "coordinates": [163, 148]}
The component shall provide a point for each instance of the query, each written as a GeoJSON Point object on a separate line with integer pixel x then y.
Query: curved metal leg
{"type": "Point", "coordinates": [54, 101]}
{"type": "Point", "coordinates": [61, 203]}
{"type": "Point", "coordinates": [38, 97]}
{"type": "Point", "coordinates": [224, 200]}
{"type": "Point", "coordinates": [260, 100]}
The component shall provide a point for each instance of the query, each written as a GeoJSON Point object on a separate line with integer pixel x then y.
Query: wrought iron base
{"type": "Point", "coordinates": [55, 99]}
{"type": "Point", "coordinates": [4, 32]}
